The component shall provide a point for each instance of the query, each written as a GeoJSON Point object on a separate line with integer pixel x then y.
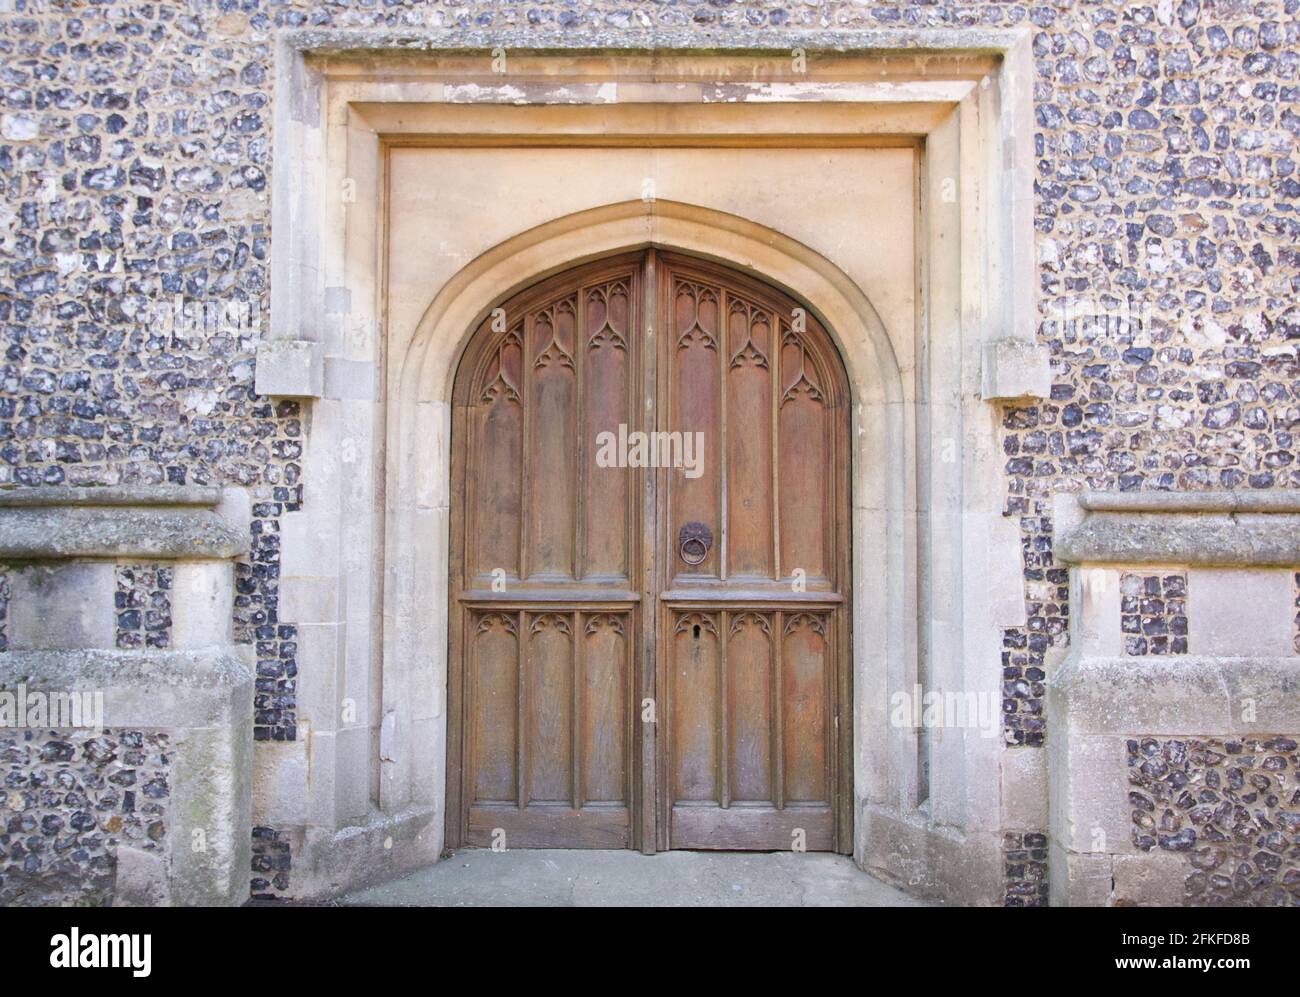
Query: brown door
{"type": "Point", "coordinates": [650, 546]}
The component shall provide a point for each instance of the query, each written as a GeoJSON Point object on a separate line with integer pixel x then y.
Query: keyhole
{"type": "Point", "coordinates": [697, 631]}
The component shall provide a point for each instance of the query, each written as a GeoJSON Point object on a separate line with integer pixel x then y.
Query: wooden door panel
{"type": "Point", "coordinates": [753, 750]}
{"type": "Point", "coordinates": [494, 683]}
{"type": "Point", "coordinates": [498, 430]}
{"type": "Point", "coordinates": [805, 496]}
{"type": "Point", "coordinates": [606, 398]}
{"type": "Point", "coordinates": [606, 689]}
{"type": "Point", "coordinates": [748, 441]}
{"type": "Point", "coordinates": [569, 693]}
{"type": "Point", "coordinates": [806, 689]}
{"type": "Point", "coordinates": [572, 599]}
{"type": "Point", "coordinates": [694, 375]}
{"type": "Point", "coordinates": [549, 472]}
{"type": "Point", "coordinates": [694, 697]}
{"type": "Point", "coordinates": [548, 709]}
{"type": "Point", "coordinates": [753, 828]}
{"type": "Point", "coordinates": [749, 708]}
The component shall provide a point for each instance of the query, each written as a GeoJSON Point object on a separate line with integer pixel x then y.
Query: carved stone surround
{"type": "Point", "coordinates": [374, 296]}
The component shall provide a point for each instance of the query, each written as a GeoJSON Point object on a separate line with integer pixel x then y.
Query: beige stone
{"type": "Point", "coordinates": [62, 605]}
{"type": "Point", "coordinates": [1241, 613]}
{"type": "Point", "coordinates": [1151, 879]}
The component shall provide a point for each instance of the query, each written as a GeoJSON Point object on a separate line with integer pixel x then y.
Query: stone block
{"type": "Point", "coordinates": [62, 605]}
{"type": "Point", "coordinates": [201, 597]}
{"type": "Point", "coordinates": [281, 784]}
{"type": "Point", "coordinates": [309, 600]}
{"type": "Point", "coordinates": [210, 843]}
{"type": "Point", "coordinates": [1015, 369]}
{"type": "Point", "coordinates": [290, 368]}
{"type": "Point", "coordinates": [1241, 613]}
{"type": "Point", "coordinates": [1024, 787]}
{"type": "Point", "coordinates": [1150, 879]}
{"type": "Point", "coordinates": [1089, 788]}
{"type": "Point", "coordinates": [141, 879]}
{"type": "Point", "coordinates": [1078, 880]}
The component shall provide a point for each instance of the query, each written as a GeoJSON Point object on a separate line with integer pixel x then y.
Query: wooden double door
{"type": "Point", "coordinates": [650, 557]}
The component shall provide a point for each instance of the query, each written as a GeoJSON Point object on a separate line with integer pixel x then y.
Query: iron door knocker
{"type": "Point", "coordinates": [693, 542]}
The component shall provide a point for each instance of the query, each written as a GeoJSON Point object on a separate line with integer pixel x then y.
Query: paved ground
{"type": "Point", "coordinates": [549, 878]}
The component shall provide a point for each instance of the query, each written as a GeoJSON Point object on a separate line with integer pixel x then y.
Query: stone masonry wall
{"type": "Point", "coordinates": [135, 153]}
{"type": "Point", "coordinates": [68, 800]}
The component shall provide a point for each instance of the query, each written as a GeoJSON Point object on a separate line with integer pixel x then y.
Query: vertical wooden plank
{"type": "Point", "coordinates": [578, 712]}
{"type": "Point", "coordinates": [775, 388]}
{"type": "Point", "coordinates": [521, 713]}
{"type": "Point", "coordinates": [605, 708]}
{"type": "Point", "coordinates": [695, 708]}
{"type": "Point", "coordinates": [749, 707]}
{"type": "Point", "coordinates": [778, 711]}
{"type": "Point", "coordinates": [493, 691]}
{"type": "Point", "coordinates": [696, 365]}
{"type": "Point", "coordinates": [804, 463]}
{"type": "Point", "coordinates": [720, 520]}
{"type": "Point", "coordinates": [526, 456]}
{"type": "Point", "coordinates": [551, 499]}
{"type": "Point", "coordinates": [747, 428]}
{"type": "Point", "coordinates": [804, 708]}
{"type": "Point", "coordinates": [498, 424]}
{"type": "Point", "coordinates": [720, 715]}
{"type": "Point", "coordinates": [550, 708]}
{"type": "Point", "coordinates": [603, 370]}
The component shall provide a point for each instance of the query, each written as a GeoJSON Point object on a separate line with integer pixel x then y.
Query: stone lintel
{"type": "Point", "coordinates": [1275, 501]}
{"type": "Point", "coordinates": [533, 40]}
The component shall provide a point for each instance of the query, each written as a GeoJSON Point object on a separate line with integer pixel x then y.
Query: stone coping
{"type": "Point", "coordinates": [907, 41]}
{"type": "Point", "coordinates": [1280, 501]}
{"type": "Point", "coordinates": [146, 495]}
{"type": "Point", "coordinates": [61, 532]}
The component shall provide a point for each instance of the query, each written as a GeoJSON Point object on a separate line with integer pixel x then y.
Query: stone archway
{"type": "Point", "coordinates": [418, 472]}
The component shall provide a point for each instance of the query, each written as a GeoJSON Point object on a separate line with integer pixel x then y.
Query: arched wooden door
{"type": "Point", "coordinates": [650, 567]}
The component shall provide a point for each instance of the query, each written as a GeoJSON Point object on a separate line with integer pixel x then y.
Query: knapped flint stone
{"type": "Point", "coordinates": [1180, 841]}
{"type": "Point", "coordinates": [1255, 858]}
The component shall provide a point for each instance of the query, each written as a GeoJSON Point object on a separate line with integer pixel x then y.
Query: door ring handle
{"type": "Point", "coordinates": [693, 542]}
